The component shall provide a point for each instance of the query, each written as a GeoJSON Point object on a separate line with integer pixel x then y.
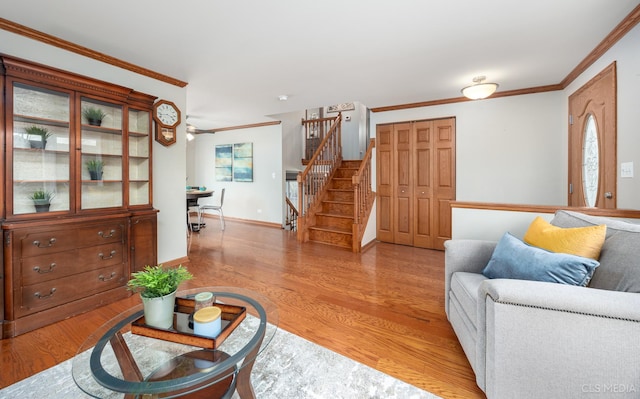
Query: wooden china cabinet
{"type": "Point", "coordinates": [77, 253]}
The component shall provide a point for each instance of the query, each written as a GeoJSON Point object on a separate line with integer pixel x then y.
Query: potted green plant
{"type": "Point", "coordinates": [95, 167]}
{"type": "Point", "coordinates": [42, 200]}
{"type": "Point", "coordinates": [157, 286]}
{"type": "Point", "coordinates": [38, 136]}
{"type": "Point", "coordinates": [94, 115]}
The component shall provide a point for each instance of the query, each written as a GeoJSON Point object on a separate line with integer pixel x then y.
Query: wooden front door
{"type": "Point", "coordinates": [592, 142]}
{"type": "Point", "coordinates": [416, 182]}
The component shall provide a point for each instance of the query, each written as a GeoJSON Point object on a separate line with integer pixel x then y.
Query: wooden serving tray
{"type": "Point", "coordinates": [181, 333]}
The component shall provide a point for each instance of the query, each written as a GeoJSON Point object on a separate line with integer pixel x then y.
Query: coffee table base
{"type": "Point", "coordinates": [196, 361]}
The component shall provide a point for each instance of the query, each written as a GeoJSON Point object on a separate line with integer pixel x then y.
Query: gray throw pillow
{"type": "Point", "coordinates": [620, 256]}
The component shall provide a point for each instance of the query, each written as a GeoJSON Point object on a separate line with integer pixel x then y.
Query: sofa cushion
{"type": "Point", "coordinates": [620, 256]}
{"type": "Point", "coordinates": [515, 259]}
{"type": "Point", "coordinates": [581, 241]}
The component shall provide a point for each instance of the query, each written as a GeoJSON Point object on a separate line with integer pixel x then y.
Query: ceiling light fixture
{"type": "Point", "coordinates": [283, 97]}
{"type": "Point", "coordinates": [479, 90]}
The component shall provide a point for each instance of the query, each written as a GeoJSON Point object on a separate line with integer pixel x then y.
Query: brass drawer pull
{"type": "Point", "coordinates": [39, 296]}
{"type": "Point", "coordinates": [103, 278]}
{"type": "Point", "coordinates": [101, 255]}
{"type": "Point", "coordinates": [41, 271]}
{"type": "Point", "coordinates": [52, 241]}
{"type": "Point", "coordinates": [111, 234]}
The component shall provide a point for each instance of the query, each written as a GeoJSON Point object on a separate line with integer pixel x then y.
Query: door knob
{"type": "Point", "coordinates": [608, 195]}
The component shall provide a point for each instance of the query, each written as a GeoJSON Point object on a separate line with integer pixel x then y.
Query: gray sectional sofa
{"type": "Point", "coordinates": [532, 339]}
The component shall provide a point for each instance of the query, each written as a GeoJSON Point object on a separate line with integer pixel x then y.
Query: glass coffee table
{"type": "Point", "coordinates": [116, 362]}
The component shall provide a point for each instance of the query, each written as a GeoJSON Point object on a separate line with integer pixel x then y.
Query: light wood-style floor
{"type": "Point", "coordinates": [383, 308]}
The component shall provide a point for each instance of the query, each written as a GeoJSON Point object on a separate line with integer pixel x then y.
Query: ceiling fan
{"type": "Point", "coordinates": [194, 130]}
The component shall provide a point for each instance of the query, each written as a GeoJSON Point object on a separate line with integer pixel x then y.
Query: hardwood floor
{"type": "Point", "coordinates": [383, 308]}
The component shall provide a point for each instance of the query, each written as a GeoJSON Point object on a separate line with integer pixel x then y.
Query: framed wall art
{"type": "Point", "coordinates": [341, 107]}
{"type": "Point", "coordinates": [243, 162]}
{"type": "Point", "coordinates": [224, 162]}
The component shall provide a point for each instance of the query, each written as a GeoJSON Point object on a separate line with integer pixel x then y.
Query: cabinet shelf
{"type": "Point", "coordinates": [100, 129]}
{"type": "Point", "coordinates": [39, 150]}
{"type": "Point", "coordinates": [40, 181]}
{"type": "Point", "coordinates": [101, 181]}
{"type": "Point", "coordinates": [40, 121]}
{"type": "Point", "coordinates": [97, 154]}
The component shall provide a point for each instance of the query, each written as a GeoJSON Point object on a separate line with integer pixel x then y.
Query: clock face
{"type": "Point", "coordinates": [167, 114]}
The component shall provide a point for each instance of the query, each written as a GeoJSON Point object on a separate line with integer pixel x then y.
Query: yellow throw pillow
{"type": "Point", "coordinates": [581, 241]}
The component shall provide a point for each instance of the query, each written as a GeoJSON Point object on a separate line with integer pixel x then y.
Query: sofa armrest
{"type": "Point", "coordinates": [577, 340]}
{"type": "Point", "coordinates": [563, 298]}
{"type": "Point", "coordinates": [464, 256]}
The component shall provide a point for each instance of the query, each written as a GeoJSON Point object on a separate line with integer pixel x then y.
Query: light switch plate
{"type": "Point", "coordinates": [626, 169]}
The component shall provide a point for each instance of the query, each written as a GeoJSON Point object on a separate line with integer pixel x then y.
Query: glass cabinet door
{"type": "Point", "coordinates": [101, 155]}
{"type": "Point", "coordinates": [139, 160]}
{"type": "Point", "coordinates": [40, 144]}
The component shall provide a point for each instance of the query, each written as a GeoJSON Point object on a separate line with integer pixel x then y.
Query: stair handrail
{"type": "Point", "coordinates": [312, 182]}
{"type": "Point", "coordinates": [314, 131]}
{"type": "Point", "coordinates": [292, 215]}
{"type": "Point", "coordinates": [363, 196]}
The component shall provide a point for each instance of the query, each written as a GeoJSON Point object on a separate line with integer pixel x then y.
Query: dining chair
{"type": "Point", "coordinates": [193, 207]}
{"type": "Point", "coordinates": [215, 208]}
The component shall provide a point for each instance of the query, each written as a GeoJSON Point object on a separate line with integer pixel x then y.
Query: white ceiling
{"type": "Point", "coordinates": [238, 56]}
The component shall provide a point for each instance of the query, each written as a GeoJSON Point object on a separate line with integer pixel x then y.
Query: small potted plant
{"type": "Point", "coordinates": [42, 200]}
{"type": "Point", "coordinates": [95, 167]}
{"type": "Point", "coordinates": [38, 136]}
{"type": "Point", "coordinates": [94, 115]}
{"type": "Point", "coordinates": [157, 286]}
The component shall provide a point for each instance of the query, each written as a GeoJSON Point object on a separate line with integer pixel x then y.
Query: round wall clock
{"type": "Point", "coordinates": [167, 117]}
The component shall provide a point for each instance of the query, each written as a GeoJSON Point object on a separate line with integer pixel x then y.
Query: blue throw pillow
{"type": "Point", "coordinates": [514, 259]}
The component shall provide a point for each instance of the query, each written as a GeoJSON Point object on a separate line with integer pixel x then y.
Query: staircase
{"type": "Point", "coordinates": [335, 197]}
{"type": "Point", "coordinates": [333, 224]}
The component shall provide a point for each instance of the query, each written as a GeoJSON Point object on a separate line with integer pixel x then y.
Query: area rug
{"type": "Point", "coordinates": [290, 368]}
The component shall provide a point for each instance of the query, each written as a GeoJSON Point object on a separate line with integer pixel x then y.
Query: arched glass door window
{"type": "Point", "coordinates": [590, 162]}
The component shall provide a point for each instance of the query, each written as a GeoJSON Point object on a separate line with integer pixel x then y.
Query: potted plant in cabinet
{"type": "Point", "coordinates": [37, 136]}
{"type": "Point", "coordinates": [42, 200]}
{"type": "Point", "coordinates": [95, 167]}
{"type": "Point", "coordinates": [94, 115]}
{"type": "Point", "coordinates": [157, 286]}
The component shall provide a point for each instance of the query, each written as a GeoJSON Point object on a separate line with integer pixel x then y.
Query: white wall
{"type": "Point", "coordinates": [626, 53]}
{"type": "Point", "coordinates": [168, 162]}
{"type": "Point", "coordinates": [260, 200]}
{"type": "Point", "coordinates": [292, 140]}
{"type": "Point", "coordinates": [353, 147]}
{"type": "Point", "coordinates": [520, 169]}
{"type": "Point", "coordinates": [508, 150]}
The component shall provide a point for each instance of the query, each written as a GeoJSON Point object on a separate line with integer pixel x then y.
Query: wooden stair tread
{"type": "Point", "coordinates": [334, 215]}
{"type": "Point", "coordinates": [333, 244]}
{"type": "Point", "coordinates": [338, 202]}
{"type": "Point", "coordinates": [331, 229]}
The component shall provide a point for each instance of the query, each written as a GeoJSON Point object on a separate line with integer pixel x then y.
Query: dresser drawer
{"type": "Point", "coordinates": [71, 236]}
{"type": "Point", "coordinates": [48, 294]}
{"type": "Point", "coordinates": [37, 269]}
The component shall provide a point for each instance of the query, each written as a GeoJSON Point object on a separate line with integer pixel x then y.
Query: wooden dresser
{"type": "Point", "coordinates": [76, 252]}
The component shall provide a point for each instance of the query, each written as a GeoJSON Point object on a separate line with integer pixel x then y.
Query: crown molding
{"type": "Point", "coordinates": [628, 23]}
{"type": "Point", "coordinates": [222, 129]}
{"type": "Point", "coordinates": [33, 34]}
